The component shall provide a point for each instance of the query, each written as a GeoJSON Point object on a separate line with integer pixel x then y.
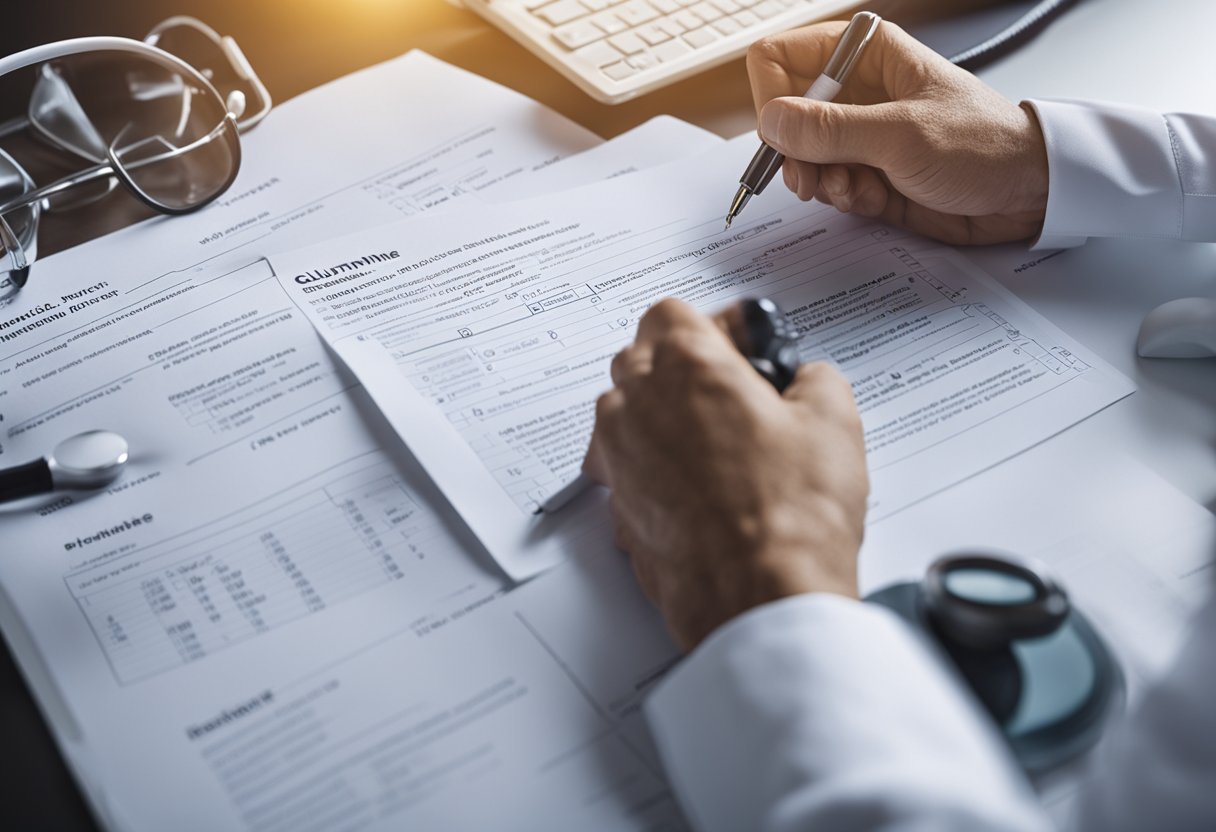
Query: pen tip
{"type": "Point", "coordinates": [728, 219]}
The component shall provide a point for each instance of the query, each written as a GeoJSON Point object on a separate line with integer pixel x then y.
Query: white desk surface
{"type": "Point", "coordinates": [1155, 55]}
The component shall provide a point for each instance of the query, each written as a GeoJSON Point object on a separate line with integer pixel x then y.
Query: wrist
{"type": "Point", "coordinates": [695, 612]}
{"type": "Point", "coordinates": [1035, 179]}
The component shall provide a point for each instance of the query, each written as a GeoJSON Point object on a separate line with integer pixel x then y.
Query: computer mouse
{"type": "Point", "coordinates": [1184, 328]}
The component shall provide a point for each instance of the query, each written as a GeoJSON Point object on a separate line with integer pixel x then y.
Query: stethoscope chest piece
{"type": "Point", "coordinates": [92, 459]}
{"type": "Point", "coordinates": [1035, 663]}
{"type": "Point", "coordinates": [88, 460]}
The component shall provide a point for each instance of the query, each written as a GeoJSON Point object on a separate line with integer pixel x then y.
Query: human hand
{"type": "Point", "coordinates": [912, 140]}
{"type": "Point", "coordinates": [726, 494]}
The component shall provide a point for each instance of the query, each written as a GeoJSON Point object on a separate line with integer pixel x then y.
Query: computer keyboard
{"type": "Point", "coordinates": [618, 49]}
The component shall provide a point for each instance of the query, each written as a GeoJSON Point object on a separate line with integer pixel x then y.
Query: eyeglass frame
{"type": "Point", "coordinates": [225, 45]}
{"type": "Point", "coordinates": [112, 167]}
{"type": "Point", "coordinates": [236, 57]}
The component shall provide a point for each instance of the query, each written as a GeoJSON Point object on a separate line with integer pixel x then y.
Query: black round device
{"type": "Point", "coordinates": [1035, 663]}
{"type": "Point", "coordinates": [769, 340]}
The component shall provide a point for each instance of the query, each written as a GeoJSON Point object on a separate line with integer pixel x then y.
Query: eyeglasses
{"type": "Point", "coordinates": [144, 116]}
{"type": "Point", "coordinates": [220, 60]}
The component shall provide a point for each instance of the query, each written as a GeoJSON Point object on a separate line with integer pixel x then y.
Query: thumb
{"type": "Point", "coordinates": [826, 133]}
{"type": "Point", "coordinates": [820, 389]}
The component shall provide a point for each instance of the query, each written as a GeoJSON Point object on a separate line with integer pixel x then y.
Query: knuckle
{"type": "Point", "coordinates": [685, 350]}
{"type": "Point", "coordinates": [835, 393]}
{"type": "Point", "coordinates": [608, 406]}
{"type": "Point", "coordinates": [620, 361]}
{"type": "Point", "coordinates": [765, 50]}
{"type": "Point", "coordinates": [667, 310]}
{"type": "Point", "coordinates": [894, 34]}
{"type": "Point", "coordinates": [824, 381]}
{"type": "Point", "coordinates": [821, 372]}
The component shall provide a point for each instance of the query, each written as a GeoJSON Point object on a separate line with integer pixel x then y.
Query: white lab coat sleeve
{"type": "Point", "coordinates": [1121, 171]}
{"type": "Point", "coordinates": [817, 712]}
{"type": "Point", "coordinates": [1158, 769]}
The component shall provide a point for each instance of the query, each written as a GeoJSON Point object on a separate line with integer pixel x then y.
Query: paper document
{"type": "Point", "coordinates": [268, 525]}
{"type": "Point", "coordinates": [660, 140]}
{"type": "Point", "coordinates": [526, 713]}
{"type": "Point", "coordinates": [486, 340]}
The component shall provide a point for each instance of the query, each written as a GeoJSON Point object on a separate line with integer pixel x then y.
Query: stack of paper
{"type": "Point", "coordinates": [279, 620]}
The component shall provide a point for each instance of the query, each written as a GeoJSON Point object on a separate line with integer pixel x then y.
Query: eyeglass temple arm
{"type": "Point", "coordinates": [13, 125]}
{"type": "Point", "coordinates": [76, 46]}
{"type": "Point", "coordinates": [101, 171]}
{"type": "Point", "coordinates": [232, 50]}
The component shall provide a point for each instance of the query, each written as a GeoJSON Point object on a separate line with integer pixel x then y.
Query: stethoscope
{"type": "Point", "coordinates": [1002, 623]}
{"type": "Point", "coordinates": [92, 459]}
{"type": "Point", "coordinates": [1034, 662]}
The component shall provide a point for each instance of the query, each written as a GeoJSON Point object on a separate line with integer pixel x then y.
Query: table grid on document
{"type": "Point", "coordinates": [222, 588]}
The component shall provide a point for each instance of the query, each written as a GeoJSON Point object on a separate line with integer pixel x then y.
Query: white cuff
{"type": "Point", "coordinates": [1113, 172]}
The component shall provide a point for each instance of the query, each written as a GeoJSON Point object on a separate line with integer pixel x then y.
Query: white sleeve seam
{"type": "Point", "coordinates": [1174, 148]}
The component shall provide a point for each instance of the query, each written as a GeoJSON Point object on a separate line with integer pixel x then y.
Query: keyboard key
{"type": "Point", "coordinates": [563, 11]}
{"type": "Point", "coordinates": [652, 33]}
{"type": "Point", "coordinates": [636, 12]}
{"type": "Point", "coordinates": [767, 9]}
{"type": "Point", "coordinates": [641, 61]}
{"type": "Point", "coordinates": [747, 4]}
{"type": "Point", "coordinates": [619, 72]}
{"type": "Point", "coordinates": [595, 5]}
{"type": "Point", "coordinates": [687, 19]}
{"type": "Point", "coordinates": [576, 34]}
{"type": "Point", "coordinates": [725, 6]}
{"type": "Point", "coordinates": [627, 42]}
{"type": "Point", "coordinates": [601, 53]}
{"type": "Point", "coordinates": [609, 23]}
{"type": "Point", "coordinates": [727, 26]}
{"type": "Point", "coordinates": [707, 12]}
{"type": "Point", "coordinates": [701, 37]}
{"type": "Point", "coordinates": [688, 2]}
{"type": "Point", "coordinates": [672, 26]}
{"type": "Point", "coordinates": [746, 18]}
{"type": "Point", "coordinates": [665, 6]}
{"type": "Point", "coordinates": [671, 50]}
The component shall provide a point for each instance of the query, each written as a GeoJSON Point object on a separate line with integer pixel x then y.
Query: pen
{"type": "Point", "coordinates": [769, 341]}
{"type": "Point", "coordinates": [767, 162]}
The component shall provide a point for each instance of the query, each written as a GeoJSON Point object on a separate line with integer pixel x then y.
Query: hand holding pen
{"type": "Point", "coordinates": [921, 145]}
{"type": "Point", "coordinates": [767, 161]}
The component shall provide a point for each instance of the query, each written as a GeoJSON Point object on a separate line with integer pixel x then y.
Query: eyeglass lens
{"type": "Point", "coordinates": [169, 134]}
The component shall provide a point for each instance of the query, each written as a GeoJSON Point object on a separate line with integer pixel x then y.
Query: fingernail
{"type": "Point", "coordinates": [790, 173]}
{"type": "Point", "coordinates": [835, 181]}
{"type": "Point", "coordinates": [770, 123]}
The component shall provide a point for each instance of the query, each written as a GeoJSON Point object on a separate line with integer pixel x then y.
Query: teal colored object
{"type": "Point", "coordinates": [1035, 663]}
